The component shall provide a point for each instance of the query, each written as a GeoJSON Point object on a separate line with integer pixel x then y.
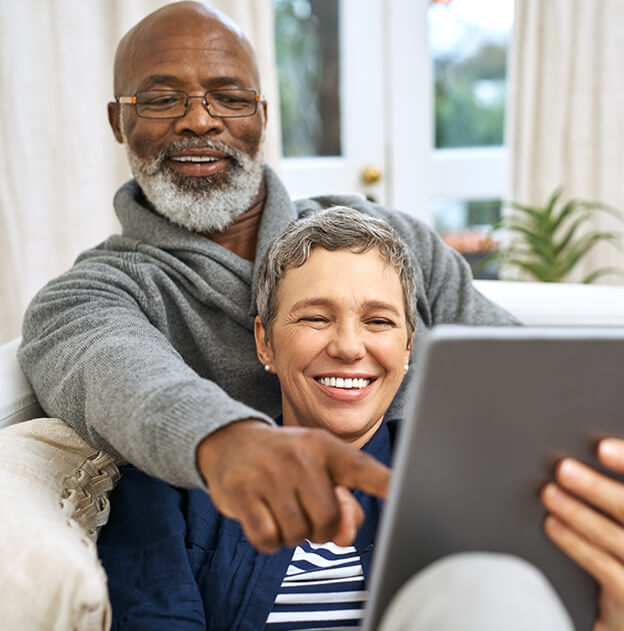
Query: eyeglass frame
{"type": "Point", "coordinates": [131, 100]}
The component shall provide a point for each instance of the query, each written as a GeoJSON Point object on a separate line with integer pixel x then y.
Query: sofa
{"type": "Point", "coordinates": [53, 502]}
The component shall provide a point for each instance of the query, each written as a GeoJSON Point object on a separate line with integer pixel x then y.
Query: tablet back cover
{"type": "Point", "coordinates": [493, 410]}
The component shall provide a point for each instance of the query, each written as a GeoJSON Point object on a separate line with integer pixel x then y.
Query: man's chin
{"type": "Point", "coordinates": [208, 205]}
{"type": "Point", "coordinates": [198, 184]}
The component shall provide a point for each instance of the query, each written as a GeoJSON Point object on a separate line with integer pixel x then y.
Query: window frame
{"type": "Point", "coordinates": [463, 174]}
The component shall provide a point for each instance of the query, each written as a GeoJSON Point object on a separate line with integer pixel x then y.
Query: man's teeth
{"type": "Point", "coordinates": [340, 382]}
{"type": "Point", "coordinates": [195, 159]}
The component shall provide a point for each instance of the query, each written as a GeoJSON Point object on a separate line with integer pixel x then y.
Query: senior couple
{"type": "Point", "coordinates": [153, 333]}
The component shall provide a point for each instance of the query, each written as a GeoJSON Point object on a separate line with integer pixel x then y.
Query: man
{"type": "Point", "coordinates": [146, 345]}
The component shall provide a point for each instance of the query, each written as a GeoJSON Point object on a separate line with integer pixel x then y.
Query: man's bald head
{"type": "Point", "coordinates": [172, 21]}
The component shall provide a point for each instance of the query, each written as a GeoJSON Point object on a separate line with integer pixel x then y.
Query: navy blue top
{"type": "Point", "coordinates": [174, 562]}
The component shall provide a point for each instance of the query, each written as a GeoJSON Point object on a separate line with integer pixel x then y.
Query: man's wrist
{"type": "Point", "coordinates": [211, 443]}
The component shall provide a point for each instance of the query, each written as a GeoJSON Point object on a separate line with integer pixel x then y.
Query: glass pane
{"type": "Point", "coordinates": [469, 40]}
{"type": "Point", "coordinates": [306, 41]}
{"type": "Point", "coordinates": [465, 225]}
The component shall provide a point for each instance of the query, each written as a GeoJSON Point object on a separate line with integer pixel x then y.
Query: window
{"type": "Point", "coordinates": [306, 40]}
{"type": "Point", "coordinates": [468, 43]}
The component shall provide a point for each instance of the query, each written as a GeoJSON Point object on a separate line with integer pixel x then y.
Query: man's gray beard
{"type": "Point", "coordinates": [207, 204]}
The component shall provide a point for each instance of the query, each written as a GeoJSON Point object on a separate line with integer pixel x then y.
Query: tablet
{"type": "Point", "coordinates": [491, 412]}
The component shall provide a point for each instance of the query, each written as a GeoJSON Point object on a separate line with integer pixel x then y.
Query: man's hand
{"type": "Point", "coordinates": [593, 538]}
{"type": "Point", "coordinates": [285, 485]}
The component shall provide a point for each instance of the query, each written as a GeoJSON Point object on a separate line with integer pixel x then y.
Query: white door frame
{"type": "Point", "coordinates": [362, 120]}
{"type": "Point", "coordinates": [419, 172]}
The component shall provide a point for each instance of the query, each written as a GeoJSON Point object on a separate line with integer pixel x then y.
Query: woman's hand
{"type": "Point", "coordinates": [592, 538]}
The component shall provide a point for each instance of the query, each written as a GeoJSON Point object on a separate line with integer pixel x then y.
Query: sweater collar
{"type": "Point", "coordinates": [140, 223]}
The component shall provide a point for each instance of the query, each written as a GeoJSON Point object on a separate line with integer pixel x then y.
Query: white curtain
{"type": "Point", "coordinates": [59, 164]}
{"type": "Point", "coordinates": [566, 119]}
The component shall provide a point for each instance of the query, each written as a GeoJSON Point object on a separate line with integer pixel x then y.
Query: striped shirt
{"type": "Point", "coordinates": [323, 589]}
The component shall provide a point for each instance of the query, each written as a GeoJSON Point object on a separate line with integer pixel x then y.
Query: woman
{"type": "Point", "coordinates": [337, 313]}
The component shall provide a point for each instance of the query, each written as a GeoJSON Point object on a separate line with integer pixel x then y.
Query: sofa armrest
{"type": "Point", "coordinates": [557, 304]}
{"type": "Point", "coordinates": [17, 399]}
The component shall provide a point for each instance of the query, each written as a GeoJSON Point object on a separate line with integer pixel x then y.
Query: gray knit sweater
{"type": "Point", "coordinates": [146, 344]}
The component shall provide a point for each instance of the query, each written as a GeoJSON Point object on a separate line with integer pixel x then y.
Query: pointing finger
{"type": "Point", "coordinates": [357, 470]}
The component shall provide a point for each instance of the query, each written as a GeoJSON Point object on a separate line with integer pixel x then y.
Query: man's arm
{"type": "Point", "coordinates": [446, 294]}
{"type": "Point", "coordinates": [96, 360]}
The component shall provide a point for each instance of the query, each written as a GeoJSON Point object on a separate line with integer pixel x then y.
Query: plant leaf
{"type": "Point", "coordinates": [603, 271]}
{"type": "Point", "coordinates": [569, 235]}
{"type": "Point", "coordinates": [582, 247]}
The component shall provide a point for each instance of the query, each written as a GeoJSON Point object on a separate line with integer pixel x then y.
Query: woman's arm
{"type": "Point", "coordinates": [586, 521]}
{"type": "Point", "coordinates": [151, 584]}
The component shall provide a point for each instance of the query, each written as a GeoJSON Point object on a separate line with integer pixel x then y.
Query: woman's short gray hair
{"type": "Point", "coordinates": [336, 228]}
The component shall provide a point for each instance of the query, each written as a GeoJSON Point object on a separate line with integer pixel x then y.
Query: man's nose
{"type": "Point", "coordinates": [346, 343]}
{"type": "Point", "coordinates": [198, 121]}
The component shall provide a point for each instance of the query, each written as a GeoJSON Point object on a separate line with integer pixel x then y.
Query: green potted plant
{"type": "Point", "coordinates": [545, 243]}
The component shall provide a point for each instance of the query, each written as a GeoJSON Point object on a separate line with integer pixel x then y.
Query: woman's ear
{"type": "Point", "coordinates": [408, 349]}
{"type": "Point", "coordinates": [410, 342]}
{"type": "Point", "coordinates": [263, 348]}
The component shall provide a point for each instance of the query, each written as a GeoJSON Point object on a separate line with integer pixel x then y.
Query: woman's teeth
{"type": "Point", "coordinates": [340, 382]}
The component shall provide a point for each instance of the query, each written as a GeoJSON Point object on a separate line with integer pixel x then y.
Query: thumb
{"type": "Point", "coordinates": [351, 517]}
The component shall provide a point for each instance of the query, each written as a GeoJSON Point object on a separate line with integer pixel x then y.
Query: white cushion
{"type": "Point", "coordinates": [54, 496]}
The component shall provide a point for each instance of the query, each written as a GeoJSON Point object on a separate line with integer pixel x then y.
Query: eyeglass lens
{"type": "Point", "coordinates": [173, 103]}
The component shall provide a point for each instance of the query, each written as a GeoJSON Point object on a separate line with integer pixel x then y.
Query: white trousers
{"type": "Point", "coordinates": [477, 592]}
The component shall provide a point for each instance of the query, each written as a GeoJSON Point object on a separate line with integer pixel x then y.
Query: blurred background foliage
{"type": "Point", "coordinates": [307, 50]}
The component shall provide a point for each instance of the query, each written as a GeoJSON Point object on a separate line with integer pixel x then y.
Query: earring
{"type": "Point", "coordinates": [267, 367]}
{"type": "Point", "coordinates": [406, 367]}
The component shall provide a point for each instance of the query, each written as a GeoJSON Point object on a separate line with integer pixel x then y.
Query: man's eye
{"type": "Point", "coordinates": [232, 101]}
{"type": "Point", "coordinates": [312, 319]}
{"type": "Point", "coordinates": [161, 101]}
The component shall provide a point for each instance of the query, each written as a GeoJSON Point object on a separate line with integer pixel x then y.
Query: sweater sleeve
{"type": "Point", "coordinates": [96, 360]}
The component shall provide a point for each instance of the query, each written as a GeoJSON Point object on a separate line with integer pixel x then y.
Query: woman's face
{"type": "Point", "coordinates": [339, 342]}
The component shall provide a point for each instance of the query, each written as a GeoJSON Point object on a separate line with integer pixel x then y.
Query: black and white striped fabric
{"type": "Point", "coordinates": [323, 589]}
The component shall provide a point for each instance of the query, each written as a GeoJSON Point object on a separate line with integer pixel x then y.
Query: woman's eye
{"type": "Point", "coordinates": [312, 319]}
{"type": "Point", "coordinates": [381, 322]}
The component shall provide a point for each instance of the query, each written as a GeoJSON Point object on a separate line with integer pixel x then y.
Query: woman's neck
{"type": "Point", "coordinates": [358, 441]}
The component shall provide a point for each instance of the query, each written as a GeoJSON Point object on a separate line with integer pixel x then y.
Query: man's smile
{"type": "Point", "coordinates": [198, 162]}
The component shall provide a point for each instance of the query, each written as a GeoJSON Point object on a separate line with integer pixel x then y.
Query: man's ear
{"type": "Point", "coordinates": [265, 109]}
{"type": "Point", "coordinates": [114, 119]}
{"type": "Point", "coordinates": [263, 348]}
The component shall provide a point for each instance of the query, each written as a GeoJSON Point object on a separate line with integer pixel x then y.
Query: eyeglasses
{"type": "Point", "coordinates": [227, 103]}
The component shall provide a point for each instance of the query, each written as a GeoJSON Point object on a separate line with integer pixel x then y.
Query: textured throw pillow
{"type": "Point", "coordinates": [54, 491]}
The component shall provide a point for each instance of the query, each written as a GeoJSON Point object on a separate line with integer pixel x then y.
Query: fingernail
{"type": "Point", "coordinates": [610, 449]}
{"type": "Point", "coordinates": [551, 492]}
{"type": "Point", "coordinates": [570, 470]}
{"type": "Point", "coordinates": [552, 523]}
